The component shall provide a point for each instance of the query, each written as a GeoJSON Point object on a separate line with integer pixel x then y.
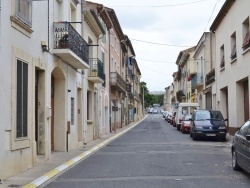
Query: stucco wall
{"type": "Point", "coordinates": [234, 71]}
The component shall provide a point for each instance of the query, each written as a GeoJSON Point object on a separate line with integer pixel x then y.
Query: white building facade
{"type": "Point", "coordinates": [45, 81]}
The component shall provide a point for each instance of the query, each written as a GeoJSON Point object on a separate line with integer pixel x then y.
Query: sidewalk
{"type": "Point", "coordinates": [60, 161]}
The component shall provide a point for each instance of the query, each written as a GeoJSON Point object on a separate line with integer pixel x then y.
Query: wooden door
{"type": "Point", "coordinates": [52, 112]}
{"type": "Point", "coordinates": [36, 110]}
{"type": "Point", "coordinates": [246, 100]}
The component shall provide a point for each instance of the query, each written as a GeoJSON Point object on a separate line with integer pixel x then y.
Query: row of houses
{"type": "Point", "coordinates": [216, 72]}
{"type": "Point", "coordinates": [68, 76]}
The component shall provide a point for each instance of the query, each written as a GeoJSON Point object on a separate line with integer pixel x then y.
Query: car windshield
{"type": "Point", "coordinates": [209, 115]}
{"type": "Point", "coordinates": [187, 117]}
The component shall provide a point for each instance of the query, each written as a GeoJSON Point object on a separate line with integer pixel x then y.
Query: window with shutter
{"type": "Point", "coordinates": [22, 100]}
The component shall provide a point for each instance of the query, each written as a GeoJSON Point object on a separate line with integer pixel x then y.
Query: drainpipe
{"type": "Point", "coordinates": [83, 80]}
{"type": "Point", "coordinates": [110, 111]}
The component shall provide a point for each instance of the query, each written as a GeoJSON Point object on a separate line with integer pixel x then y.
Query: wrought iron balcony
{"type": "Point", "coordinates": [210, 77]}
{"type": "Point", "coordinates": [181, 95]}
{"type": "Point", "coordinates": [96, 71]}
{"type": "Point", "coordinates": [197, 81]}
{"type": "Point", "coordinates": [128, 87]}
{"type": "Point", "coordinates": [136, 95]}
{"type": "Point", "coordinates": [117, 82]}
{"type": "Point", "coordinates": [70, 46]}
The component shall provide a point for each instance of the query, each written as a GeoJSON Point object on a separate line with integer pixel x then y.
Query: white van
{"type": "Point", "coordinates": [184, 109]}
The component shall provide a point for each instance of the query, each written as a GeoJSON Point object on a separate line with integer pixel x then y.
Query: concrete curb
{"type": "Point", "coordinates": [58, 170]}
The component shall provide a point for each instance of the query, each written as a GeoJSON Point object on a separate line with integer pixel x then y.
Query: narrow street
{"type": "Point", "coordinates": [155, 154]}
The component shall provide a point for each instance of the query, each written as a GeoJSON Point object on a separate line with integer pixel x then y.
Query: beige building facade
{"type": "Point", "coordinates": [232, 48]}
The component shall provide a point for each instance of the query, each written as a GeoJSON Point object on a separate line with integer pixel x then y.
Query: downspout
{"type": "Point", "coordinates": [83, 118]}
{"type": "Point", "coordinates": [110, 128]}
{"type": "Point", "coordinates": [216, 96]}
{"type": "Point", "coordinates": [48, 25]}
{"type": "Point", "coordinates": [98, 93]}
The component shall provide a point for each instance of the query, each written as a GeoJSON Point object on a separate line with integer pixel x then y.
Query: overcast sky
{"type": "Point", "coordinates": [174, 25]}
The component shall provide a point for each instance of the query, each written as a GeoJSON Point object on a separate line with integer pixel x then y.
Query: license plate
{"type": "Point", "coordinates": [210, 134]}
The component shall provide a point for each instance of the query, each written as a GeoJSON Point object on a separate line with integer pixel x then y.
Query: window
{"type": "Point", "coordinates": [233, 46]}
{"type": "Point", "coordinates": [246, 34]}
{"type": "Point", "coordinates": [72, 111]}
{"type": "Point", "coordinates": [244, 128]}
{"type": "Point", "coordinates": [115, 44]}
{"type": "Point", "coordinates": [104, 38]}
{"type": "Point", "coordinates": [222, 62]}
{"type": "Point", "coordinates": [22, 99]}
{"type": "Point", "coordinates": [24, 11]}
{"type": "Point", "coordinates": [89, 105]}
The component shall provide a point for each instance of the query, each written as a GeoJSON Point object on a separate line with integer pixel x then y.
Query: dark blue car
{"type": "Point", "coordinates": [208, 123]}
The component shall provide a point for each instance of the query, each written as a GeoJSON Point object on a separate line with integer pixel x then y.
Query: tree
{"type": "Point", "coordinates": [144, 86]}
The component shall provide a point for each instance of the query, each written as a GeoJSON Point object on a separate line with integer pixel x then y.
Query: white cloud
{"type": "Point", "coordinates": [177, 25]}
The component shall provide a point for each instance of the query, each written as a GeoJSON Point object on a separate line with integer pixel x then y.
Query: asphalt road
{"type": "Point", "coordinates": [155, 154]}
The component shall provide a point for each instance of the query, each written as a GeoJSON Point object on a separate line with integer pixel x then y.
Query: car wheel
{"type": "Point", "coordinates": [224, 138]}
{"type": "Point", "coordinates": [178, 128]}
{"type": "Point", "coordinates": [190, 134]}
{"type": "Point", "coordinates": [234, 161]}
{"type": "Point", "coordinates": [194, 137]}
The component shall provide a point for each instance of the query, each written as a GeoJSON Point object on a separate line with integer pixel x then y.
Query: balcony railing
{"type": "Point", "coordinates": [96, 71]}
{"type": "Point", "coordinates": [197, 81]}
{"type": "Point", "coordinates": [222, 63]}
{"type": "Point", "coordinates": [234, 53]}
{"type": "Point", "coordinates": [136, 95]}
{"type": "Point", "coordinates": [128, 87]}
{"type": "Point", "coordinates": [210, 77]}
{"type": "Point", "coordinates": [246, 42]}
{"type": "Point", "coordinates": [117, 82]}
{"type": "Point", "coordinates": [70, 46]}
{"type": "Point", "coordinates": [181, 95]}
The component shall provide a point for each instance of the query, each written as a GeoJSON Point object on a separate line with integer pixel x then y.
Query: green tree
{"type": "Point", "coordinates": [144, 86]}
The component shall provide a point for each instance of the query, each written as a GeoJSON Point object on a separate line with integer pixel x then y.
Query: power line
{"type": "Point", "coordinates": [211, 15]}
{"type": "Point", "coordinates": [159, 6]}
{"type": "Point", "coordinates": [155, 61]}
{"type": "Point", "coordinates": [159, 43]}
{"type": "Point", "coordinates": [157, 81]}
{"type": "Point", "coordinates": [172, 61]}
{"type": "Point", "coordinates": [155, 71]}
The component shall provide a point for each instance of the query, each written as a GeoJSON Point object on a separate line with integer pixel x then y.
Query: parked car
{"type": "Point", "coordinates": [185, 109]}
{"type": "Point", "coordinates": [164, 114]}
{"type": "Point", "coordinates": [241, 148]}
{"type": "Point", "coordinates": [173, 121]}
{"type": "Point", "coordinates": [151, 110]}
{"type": "Point", "coordinates": [208, 123]}
{"type": "Point", "coordinates": [155, 111]}
{"type": "Point", "coordinates": [185, 124]}
{"type": "Point", "coordinates": [169, 116]}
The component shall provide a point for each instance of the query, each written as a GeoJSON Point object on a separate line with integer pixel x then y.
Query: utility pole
{"type": "Point", "coordinates": [143, 107]}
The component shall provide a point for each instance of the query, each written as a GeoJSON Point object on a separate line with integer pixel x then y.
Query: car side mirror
{"type": "Point", "coordinates": [225, 119]}
{"type": "Point", "coordinates": [190, 119]}
{"type": "Point", "coordinates": [248, 137]}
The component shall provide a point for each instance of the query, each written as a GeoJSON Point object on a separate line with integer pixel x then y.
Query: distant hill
{"type": "Point", "coordinates": [157, 92]}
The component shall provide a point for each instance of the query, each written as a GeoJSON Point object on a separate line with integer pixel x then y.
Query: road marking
{"type": "Point", "coordinates": [41, 180]}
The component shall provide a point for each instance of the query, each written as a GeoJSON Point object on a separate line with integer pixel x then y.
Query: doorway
{"type": "Point", "coordinates": [246, 100]}
{"type": "Point", "coordinates": [58, 124]}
